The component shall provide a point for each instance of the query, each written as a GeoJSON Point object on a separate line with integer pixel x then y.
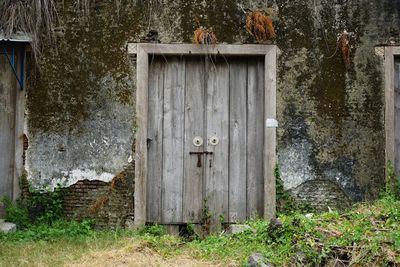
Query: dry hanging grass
{"type": "Point", "coordinates": [34, 17]}
{"type": "Point", "coordinates": [205, 36]}
{"type": "Point", "coordinates": [343, 46]}
{"type": "Point", "coordinates": [260, 26]}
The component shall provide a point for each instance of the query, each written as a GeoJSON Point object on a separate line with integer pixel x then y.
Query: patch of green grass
{"type": "Point", "coordinates": [368, 234]}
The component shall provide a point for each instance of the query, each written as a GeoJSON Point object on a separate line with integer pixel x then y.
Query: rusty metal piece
{"type": "Point", "coordinates": [199, 153]}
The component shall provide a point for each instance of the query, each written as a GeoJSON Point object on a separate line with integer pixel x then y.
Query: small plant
{"type": "Point", "coordinates": [392, 183]}
{"type": "Point", "coordinates": [260, 26]}
{"type": "Point", "coordinates": [203, 35]}
{"type": "Point", "coordinates": [40, 207]}
{"type": "Point", "coordinates": [46, 206]}
{"type": "Point", "coordinates": [206, 219]}
{"type": "Point", "coordinates": [16, 212]}
{"type": "Point", "coordinates": [222, 220]}
{"type": "Point", "coordinates": [153, 230]}
{"type": "Point", "coordinates": [284, 201]}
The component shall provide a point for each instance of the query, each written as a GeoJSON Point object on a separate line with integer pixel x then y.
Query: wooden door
{"type": "Point", "coordinates": [205, 139]}
{"type": "Point", "coordinates": [7, 127]}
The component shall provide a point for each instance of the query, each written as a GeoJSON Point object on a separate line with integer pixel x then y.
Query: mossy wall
{"type": "Point", "coordinates": [80, 109]}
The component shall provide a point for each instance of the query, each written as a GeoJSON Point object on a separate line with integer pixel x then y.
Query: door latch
{"type": "Point", "coordinates": [199, 156]}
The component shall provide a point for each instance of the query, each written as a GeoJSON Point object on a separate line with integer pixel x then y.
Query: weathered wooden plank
{"type": "Point", "coordinates": [194, 127]}
{"type": "Point", "coordinates": [173, 136]}
{"type": "Point", "coordinates": [237, 139]}
{"type": "Point", "coordinates": [255, 137]}
{"type": "Point", "coordinates": [192, 49]}
{"type": "Point", "coordinates": [19, 132]}
{"type": "Point", "coordinates": [217, 110]}
{"type": "Point", "coordinates": [155, 142]}
{"type": "Point", "coordinates": [397, 116]}
{"type": "Point", "coordinates": [141, 138]}
{"type": "Point", "coordinates": [172, 229]}
{"type": "Point", "coordinates": [270, 135]}
{"type": "Point", "coordinates": [389, 105]}
{"type": "Point", "coordinates": [7, 128]}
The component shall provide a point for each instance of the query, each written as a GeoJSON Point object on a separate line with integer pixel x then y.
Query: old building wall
{"type": "Point", "coordinates": [80, 109]}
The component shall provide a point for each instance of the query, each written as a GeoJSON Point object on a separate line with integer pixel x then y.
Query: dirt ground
{"type": "Point", "coordinates": [138, 254]}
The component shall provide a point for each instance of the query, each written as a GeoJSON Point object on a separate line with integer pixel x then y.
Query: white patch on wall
{"type": "Point", "coordinates": [71, 177]}
{"type": "Point", "coordinates": [294, 162]}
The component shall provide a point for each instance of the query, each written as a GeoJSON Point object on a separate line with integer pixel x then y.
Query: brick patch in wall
{"type": "Point", "coordinates": [109, 204]}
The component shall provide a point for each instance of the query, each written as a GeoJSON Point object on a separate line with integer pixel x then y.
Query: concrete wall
{"type": "Point", "coordinates": [80, 109]}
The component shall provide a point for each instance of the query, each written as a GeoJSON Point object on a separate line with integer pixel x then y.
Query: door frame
{"type": "Point", "coordinates": [20, 69]}
{"type": "Point", "coordinates": [142, 52]}
{"type": "Point", "coordinates": [390, 53]}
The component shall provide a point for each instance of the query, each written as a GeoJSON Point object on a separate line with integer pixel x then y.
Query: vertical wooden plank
{"type": "Point", "coordinates": [217, 116]}
{"type": "Point", "coordinates": [389, 105]}
{"type": "Point", "coordinates": [19, 131]}
{"type": "Point", "coordinates": [172, 229]}
{"type": "Point", "coordinates": [155, 135]}
{"type": "Point", "coordinates": [173, 131]}
{"type": "Point", "coordinates": [270, 135]}
{"type": "Point", "coordinates": [237, 139]}
{"type": "Point", "coordinates": [141, 137]}
{"type": "Point", "coordinates": [194, 126]}
{"type": "Point", "coordinates": [255, 137]}
{"type": "Point", "coordinates": [396, 88]}
{"type": "Point", "coordinates": [8, 90]}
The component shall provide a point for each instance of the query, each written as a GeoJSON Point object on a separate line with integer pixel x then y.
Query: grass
{"type": "Point", "coordinates": [366, 235]}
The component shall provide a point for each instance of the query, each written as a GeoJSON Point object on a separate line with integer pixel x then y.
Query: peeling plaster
{"type": "Point", "coordinates": [295, 164]}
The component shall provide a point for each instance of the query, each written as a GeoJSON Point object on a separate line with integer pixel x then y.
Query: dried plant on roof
{"type": "Point", "coordinates": [205, 36]}
{"type": "Point", "coordinates": [260, 26]}
{"type": "Point", "coordinates": [33, 17]}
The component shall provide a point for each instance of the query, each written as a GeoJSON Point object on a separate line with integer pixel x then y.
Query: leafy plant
{"type": "Point", "coordinates": [392, 185]}
{"type": "Point", "coordinates": [284, 201]}
{"type": "Point", "coordinates": [40, 207]}
{"type": "Point", "coordinates": [153, 230]}
{"type": "Point", "coordinates": [58, 230]}
{"type": "Point", "coordinates": [16, 212]}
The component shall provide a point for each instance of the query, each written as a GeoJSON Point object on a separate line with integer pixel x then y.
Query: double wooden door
{"type": "Point", "coordinates": [205, 139]}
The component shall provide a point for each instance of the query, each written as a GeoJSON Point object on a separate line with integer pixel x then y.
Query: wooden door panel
{"type": "Point", "coordinates": [397, 115]}
{"type": "Point", "coordinates": [194, 127]}
{"type": "Point", "coordinates": [173, 136]}
{"type": "Point", "coordinates": [7, 127]}
{"type": "Point", "coordinates": [155, 135]}
{"type": "Point", "coordinates": [237, 140]}
{"type": "Point", "coordinates": [217, 110]}
{"type": "Point", "coordinates": [205, 97]}
{"type": "Point", "coordinates": [255, 137]}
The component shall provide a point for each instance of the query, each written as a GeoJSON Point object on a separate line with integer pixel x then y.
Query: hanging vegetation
{"type": "Point", "coordinates": [343, 46]}
{"type": "Point", "coordinates": [205, 36]}
{"type": "Point", "coordinates": [33, 17]}
{"type": "Point", "coordinates": [260, 26]}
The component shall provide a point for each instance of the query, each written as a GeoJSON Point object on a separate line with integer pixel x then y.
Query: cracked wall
{"type": "Point", "coordinates": [80, 109]}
